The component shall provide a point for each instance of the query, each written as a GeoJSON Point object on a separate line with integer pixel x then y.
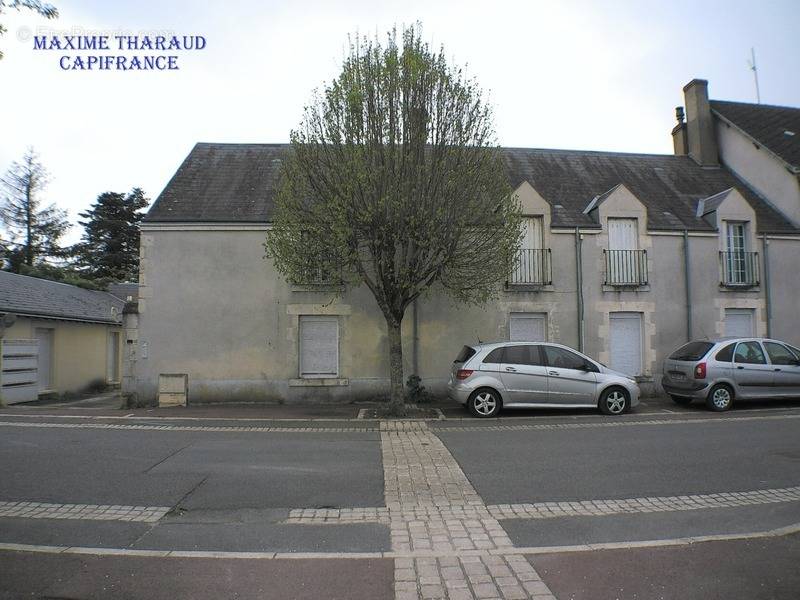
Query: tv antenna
{"type": "Point", "coordinates": [754, 69]}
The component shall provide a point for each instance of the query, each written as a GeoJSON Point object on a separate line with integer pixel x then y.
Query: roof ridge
{"type": "Point", "coordinates": [756, 104]}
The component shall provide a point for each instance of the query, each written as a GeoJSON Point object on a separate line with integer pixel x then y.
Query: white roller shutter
{"type": "Point", "coordinates": [527, 327]}
{"type": "Point", "coordinates": [625, 342]}
{"type": "Point", "coordinates": [319, 346]}
{"type": "Point", "coordinates": [739, 322]}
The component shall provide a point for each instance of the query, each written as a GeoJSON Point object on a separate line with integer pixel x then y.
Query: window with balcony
{"type": "Point", "coordinates": [739, 265]}
{"type": "Point", "coordinates": [533, 261]}
{"type": "Point", "coordinates": [626, 264]}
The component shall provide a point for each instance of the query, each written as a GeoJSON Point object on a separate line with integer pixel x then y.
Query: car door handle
{"type": "Point", "coordinates": [556, 373]}
{"type": "Point", "coordinates": [512, 369]}
{"type": "Point", "coordinates": [777, 369]}
{"type": "Point", "coordinates": [740, 367]}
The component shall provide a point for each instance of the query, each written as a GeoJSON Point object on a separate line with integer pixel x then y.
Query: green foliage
{"type": "Point", "coordinates": [34, 231]}
{"type": "Point", "coordinates": [46, 10]}
{"type": "Point", "coordinates": [415, 391]}
{"type": "Point", "coordinates": [109, 247]}
{"type": "Point", "coordinates": [395, 181]}
{"type": "Point", "coordinates": [63, 274]}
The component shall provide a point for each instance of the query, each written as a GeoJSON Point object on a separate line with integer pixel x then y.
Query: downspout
{"type": "Point", "coordinates": [767, 296]}
{"type": "Point", "coordinates": [688, 281]}
{"type": "Point", "coordinates": [579, 271]}
{"type": "Point", "coordinates": [415, 337]}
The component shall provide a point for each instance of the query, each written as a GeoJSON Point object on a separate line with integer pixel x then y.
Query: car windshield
{"type": "Point", "coordinates": [692, 351]}
{"type": "Point", "coordinates": [465, 354]}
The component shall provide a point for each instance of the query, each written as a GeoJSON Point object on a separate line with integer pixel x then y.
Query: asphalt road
{"type": "Point", "coordinates": [231, 490]}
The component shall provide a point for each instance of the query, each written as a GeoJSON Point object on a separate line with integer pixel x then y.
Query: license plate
{"type": "Point", "coordinates": [678, 376]}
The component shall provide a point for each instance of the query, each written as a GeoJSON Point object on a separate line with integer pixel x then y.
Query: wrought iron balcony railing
{"type": "Point", "coordinates": [739, 268]}
{"type": "Point", "coordinates": [626, 267]}
{"type": "Point", "coordinates": [533, 268]}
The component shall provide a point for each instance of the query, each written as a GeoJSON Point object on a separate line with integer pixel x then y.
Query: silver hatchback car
{"type": "Point", "coordinates": [720, 371]}
{"type": "Point", "coordinates": [489, 377]}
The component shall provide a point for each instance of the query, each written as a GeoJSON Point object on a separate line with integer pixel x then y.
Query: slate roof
{"type": "Point", "coordinates": [222, 183]}
{"type": "Point", "coordinates": [766, 125]}
{"type": "Point", "coordinates": [236, 182]}
{"type": "Point", "coordinates": [30, 296]}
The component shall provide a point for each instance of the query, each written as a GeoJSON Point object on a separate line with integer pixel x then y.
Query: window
{"type": "Point", "coordinates": [622, 234]}
{"type": "Point", "coordinates": [495, 356]}
{"type": "Point", "coordinates": [780, 354]}
{"type": "Point", "coordinates": [533, 260]}
{"type": "Point", "coordinates": [465, 354]}
{"type": "Point", "coordinates": [736, 238]}
{"type": "Point", "coordinates": [726, 354]}
{"type": "Point", "coordinates": [739, 322]}
{"type": "Point", "coordinates": [527, 327]}
{"type": "Point", "coordinates": [625, 263]}
{"type": "Point", "coordinates": [693, 351]}
{"type": "Point", "coordinates": [522, 355]}
{"type": "Point", "coordinates": [563, 359]}
{"type": "Point", "coordinates": [319, 346]}
{"type": "Point", "coordinates": [739, 267]}
{"type": "Point", "coordinates": [749, 353]}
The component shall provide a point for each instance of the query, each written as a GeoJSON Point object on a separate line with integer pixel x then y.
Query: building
{"type": "Point", "coordinates": [625, 256]}
{"type": "Point", "coordinates": [57, 338]}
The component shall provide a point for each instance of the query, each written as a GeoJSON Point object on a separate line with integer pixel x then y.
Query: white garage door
{"type": "Point", "coordinates": [527, 327]}
{"type": "Point", "coordinates": [625, 342]}
{"type": "Point", "coordinates": [739, 322]}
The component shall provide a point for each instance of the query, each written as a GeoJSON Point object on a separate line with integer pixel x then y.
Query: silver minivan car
{"type": "Point", "coordinates": [720, 371]}
{"type": "Point", "coordinates": [489, 377]}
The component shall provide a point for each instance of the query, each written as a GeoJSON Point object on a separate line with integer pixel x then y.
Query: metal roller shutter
{"type": "Point", "coordinates": [319, 346]}
{"type": "Point", "coordinates": [625, 342]}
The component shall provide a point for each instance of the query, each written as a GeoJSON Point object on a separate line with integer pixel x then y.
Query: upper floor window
{"type": "Point", "coordinates": [739, 266]}
{"type": "Point", "coordinates": [533, 261]}
{"type": "Point", "coordinates": [625, 264]}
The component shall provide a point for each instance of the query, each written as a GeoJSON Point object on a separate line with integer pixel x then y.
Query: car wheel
{"type": "Point", "coordinates": [720, 398]}
{"type": "Point", "coordinates": [681, 400]}
{"type": "Point", "coordinates": [614, 401]}
{"type": "Point", "coordinates": [484, 403]}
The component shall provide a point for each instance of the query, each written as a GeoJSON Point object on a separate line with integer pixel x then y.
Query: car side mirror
{"type": "Point", "coordinates": [589, 367]}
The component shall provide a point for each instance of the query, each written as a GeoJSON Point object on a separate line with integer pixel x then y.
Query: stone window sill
{"type": "Point", "coordinates": [319, 382]}
{"type": "Point", "coordinates": [529, 287]}
{"type": "Point", "coordinates": [626, 288]}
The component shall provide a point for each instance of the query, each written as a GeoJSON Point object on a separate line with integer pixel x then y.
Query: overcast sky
{"type": "Point", "coordinates": [579, 75]}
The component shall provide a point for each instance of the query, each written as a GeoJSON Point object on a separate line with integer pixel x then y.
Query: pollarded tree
{"type": "Point", "coordinates": [395, 181]}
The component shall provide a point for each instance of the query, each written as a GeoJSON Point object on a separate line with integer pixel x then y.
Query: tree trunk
{"type": "Point", "coordinates": [397, 399]}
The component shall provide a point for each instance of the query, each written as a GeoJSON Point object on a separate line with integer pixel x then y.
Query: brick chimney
{"type": "Point", "coordinates": [701, 139]}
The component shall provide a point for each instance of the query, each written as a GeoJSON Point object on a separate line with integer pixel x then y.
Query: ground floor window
{"type": "Point", "coordinates": [739, 322]}
{"type": "Point", "coordinates": [625, 342]}
{"type": "Point", "coordinates": [527, 327]}
{"type": "Point", "coordinates": [319, 346]}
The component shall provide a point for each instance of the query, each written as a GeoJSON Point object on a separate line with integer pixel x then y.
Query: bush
{"type": "Point", "coordinates": [415, 391]}
{"type": "Point", "coordinates": [97, 386]}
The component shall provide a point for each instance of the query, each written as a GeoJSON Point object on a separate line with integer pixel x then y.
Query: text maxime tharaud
{"type": "Point", "coordinates": [137, 52]}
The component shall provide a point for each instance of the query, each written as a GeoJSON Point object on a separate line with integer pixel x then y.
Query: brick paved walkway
{"type": "Point", "coordinates": [94, 512]}
{"type": "Point", "coordinates": [432, 506]}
